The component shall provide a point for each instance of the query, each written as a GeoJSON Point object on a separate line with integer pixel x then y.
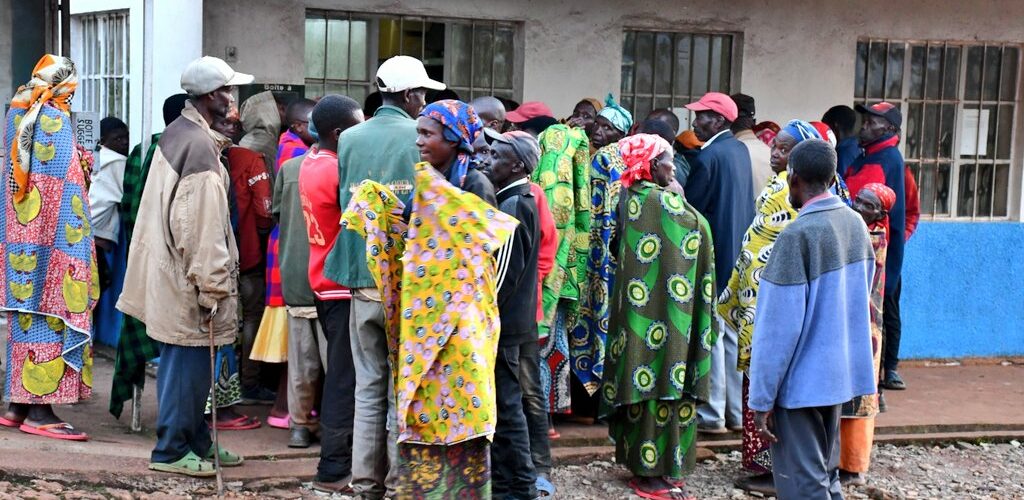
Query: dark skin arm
{"type": "Point", "coordinates": [763, 425]}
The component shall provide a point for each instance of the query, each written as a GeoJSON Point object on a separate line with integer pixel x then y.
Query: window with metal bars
{"type": "Point", "coordinates": [475, 58]}
{"type": "Point", "coordinates": [101, 56]}
{"type": "Point", "coordinates": [959, 102]}
{"type": "Point", "coordinates": [668, 70]}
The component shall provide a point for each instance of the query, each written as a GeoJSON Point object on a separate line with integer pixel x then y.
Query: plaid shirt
{"type": "Point", "coordinates": [134, 348]}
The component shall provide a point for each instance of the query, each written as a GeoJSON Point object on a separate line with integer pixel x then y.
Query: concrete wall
{"type": "Point", "coordinates": [6, 42]}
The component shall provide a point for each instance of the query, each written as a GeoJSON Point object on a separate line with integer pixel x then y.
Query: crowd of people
{"type": "Point", "coordinates": [426, 286]}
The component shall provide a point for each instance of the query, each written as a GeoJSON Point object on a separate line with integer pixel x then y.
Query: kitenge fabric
{"type": "Point", "coordinates": [757, 453]}
{"type": "Point", "coordinates": [564, 174]}
{"type": "Point", "coordinates": [661, 332]}
{"type": "Point", "coordinates": [587, 342]}
{"type": "Point", "coordinates": [867, 406]}
{"type": "Point", "coordinates": [227, 384]}
{"type": "Point", "coordinates": [460, 471]}
{"type": "Point", "coordinates": [737, 304]}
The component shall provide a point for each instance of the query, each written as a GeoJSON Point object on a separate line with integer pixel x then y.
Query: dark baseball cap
{"type": "Point", "coordinates": [744, 103]}
{"type": "Point", "coordinates": [886, 110]}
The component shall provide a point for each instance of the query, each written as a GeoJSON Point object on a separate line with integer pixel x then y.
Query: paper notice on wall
{"type": "Point", "coordinates": [87, 128]}
{"type": "Point", "coordinates": [974, 132]}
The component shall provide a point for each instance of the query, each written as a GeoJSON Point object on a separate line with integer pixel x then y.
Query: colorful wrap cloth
{"type": "Point", "coordinates": [637, 152]}
{"type": "Point", "coordinates": [448, 327]}
{"type": "Point", "coordinates": [661, 333]}
{"type": "Point", "coordinates": [52, 281]}
{"type": "Point", "coordinates": [564, 174]}
{"type": "Point", "coordinates": [587, 344]}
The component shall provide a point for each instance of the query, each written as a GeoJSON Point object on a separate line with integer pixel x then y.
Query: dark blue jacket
{"type": "Point", "coordinates": [847, 151]}
{"type": "Point", "coordinates": [882, 162]}
{"type": "Point", "coordinates": [721, 188]}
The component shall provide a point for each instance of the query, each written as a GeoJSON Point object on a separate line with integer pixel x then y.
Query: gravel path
{"type": "Point", "coordinates": [960, 471]}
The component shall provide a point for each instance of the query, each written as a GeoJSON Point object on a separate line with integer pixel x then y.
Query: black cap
{"type": "Point", "coordinates": [744, 104]}
{"type": "Point", "coordinates": [884, 109]}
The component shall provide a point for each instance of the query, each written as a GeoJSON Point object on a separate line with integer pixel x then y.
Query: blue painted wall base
{"type": "Point", "coordinates": [963, 294]}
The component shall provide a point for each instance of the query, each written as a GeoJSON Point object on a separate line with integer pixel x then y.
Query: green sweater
{"type": "Point", "coordinates": [294, 242]}
{"type": "Point", "coordinates": [382, 149]}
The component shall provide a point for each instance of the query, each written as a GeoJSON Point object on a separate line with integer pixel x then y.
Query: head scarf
{"type": "Point", "coordinates": [800, 130]}
{"type": "Point", "coordinates": [688, 138]}
{"type": "Point", "coordinates": [885, 194]}
{"type": "Point", "coordinates": [593, 102]}
{"type": "Point", "coordinates": [825, 132]}
{"type": "Point", "coordinates": [53, 83]}
{"type": "Point", "coordinates": [461, 125]}
{"type": "Point", "coordinates": [637, 151]}
{"type": "Point", "coordinates": [617, 115]}
{"type": "Point", "coordinates": [766, 131]}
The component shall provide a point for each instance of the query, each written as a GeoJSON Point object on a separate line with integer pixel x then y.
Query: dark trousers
{"type": "Point", "coordinates": [892, 327]}
{"type": "Point", "coordinates": [805, 461]}
{"type": "Point", "coordinates": [338, 405]}
{"type": "Point", "coordinates": [182, 386]}
{"type": "Point", "coordinates": [534, 406]}
{"type": "Point", "coordinates": [252, 290]}
{"type": "Point", "coordinates": [512, 473]}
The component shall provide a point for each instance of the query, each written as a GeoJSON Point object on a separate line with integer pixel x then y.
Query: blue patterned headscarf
{"type": "Point", "coordinates": [801, 130]}
{"type": "Point", "coordinates": [620, 118]}
{"type": "Point", "coordinates": [461, 125]}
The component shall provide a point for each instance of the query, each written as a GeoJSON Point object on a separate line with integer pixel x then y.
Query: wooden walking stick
{"type": "Point", "coordinates": [213, 407]}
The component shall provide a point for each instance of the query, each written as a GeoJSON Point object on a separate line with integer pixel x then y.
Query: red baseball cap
{"type": "Point", "coordinates": [884, 109]}
{"type": "Point", "coordinates": [528, 110]}
{"type": "Point", "coordinates": [717, 102]}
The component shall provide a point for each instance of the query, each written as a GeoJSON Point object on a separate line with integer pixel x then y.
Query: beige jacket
{"type": "Point", "coordinates": [261, 122]}
{"type": "Point", "coordinates": [183, 260]}
{"type": "Point", "coordinates": [760, 160]}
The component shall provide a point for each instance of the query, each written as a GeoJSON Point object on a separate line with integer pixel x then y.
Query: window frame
{"type": "Point", "coordinates": [95, 86]}
{"type": "Point", "coordinates": [373, 50]}
{"type": "Point", "coordinates": [960, 103]}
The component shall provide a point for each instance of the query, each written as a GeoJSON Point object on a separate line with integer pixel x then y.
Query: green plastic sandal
{"type": "Point", "coordinates": [189, 465]}
{"type": "Point", "coordinates": [227, 459]}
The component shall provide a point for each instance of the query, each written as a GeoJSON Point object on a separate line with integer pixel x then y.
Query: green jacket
{"type": "Point", "coordinates": [293, 254]}
{"type": "Point", "coordinates": [382, 149]}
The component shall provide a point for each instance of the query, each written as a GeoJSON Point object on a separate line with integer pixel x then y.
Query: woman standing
{"type": "Point", "coordinates": [444, 313]}
{"type": "Point", "coordinates": [661, 330]}
{"type": "Point", "coordinates": [46, 239]}
{"type": "Point", "coordinates": [738, 302]}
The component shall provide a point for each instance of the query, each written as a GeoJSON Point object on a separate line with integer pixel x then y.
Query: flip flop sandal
{"type": "Point", "coordinates": [227, 459]}
{"type": "Point", "coordinates": [239, 424]}
{"type": "Point", "coordinates": [53, 431]}
{"type": "Point", "coordinates": [662, 494]}
{"type": "Point", "coordinates": [189, 465]}
{"type": "Point", "coordinates": [544, 487]}
{"type": "Point", "coordinates": [279, 422]}
{"type": "Point", "coordinates": [553, 434]}
{"type": "Point", "coordinates": [14, 424]}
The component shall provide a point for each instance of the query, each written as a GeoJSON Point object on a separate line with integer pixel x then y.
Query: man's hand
{"type": "Point", "coordinates": [763, 424]}
{"type": "Point", "coordinates": [207, 314]}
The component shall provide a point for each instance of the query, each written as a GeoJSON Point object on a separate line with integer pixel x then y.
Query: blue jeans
{"type": "Point", "coordinates": [726, 404]}
{"type": "Point", "coordinates": [512, 472]}
{"type": "Point", "coordinates": [182, 387]}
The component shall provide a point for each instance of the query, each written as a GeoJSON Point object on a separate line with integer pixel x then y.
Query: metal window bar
{"type": "Point", "coordinates": [104, 63]}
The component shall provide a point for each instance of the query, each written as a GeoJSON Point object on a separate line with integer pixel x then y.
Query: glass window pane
{"type": "Point", "coordinates": [504, 56]}
{"type": "Point", "coordinates": [943, 177]}
{"type": "Point", "coordinates": [934, 77]}
{"type": "Point", "coordinates": [645, 62]}
{"type": "Point", "coordinates": [984, 190]}
{"type": "Point", "coordinates": [359, 61]}
{"type": "Point", "coordinates": [947, 128]}
{"type": "Point", "coordinates": [926, 187]}
{"type": "Point", "coordinates": [316, 31]}
{"type": "Point", "coordinates": [628, 62]}
{"type": "Point", "coordinates": [460, 57]}
{"type": "Point", "coordinates": [917, 69]}
{"type": "Point", "coordinates": [965, 197]}
{"type": "Point", "coordinates": [990, 139]}
{"type": "Point", "coordinates": [314, 89]}
{"type": "Point", "coordinates": [659, 103]}
{"type": "Point", "coordinates": [1000, 193]}
{"type": "Point", "coordinates": [337, 49]}
{"type": "Point", "coordinates": [894, 72]}
{"type": "Point", "coordinates": [930, 132]}
{"type": "Point", "coordinates": [684, 52]}
{"type": "Point", "coordinates": [642, 106]}
{"type": "Point", "coordinates": [1008, 87]}
{"type": "Point", "coordinates": [627, 102]}
{"type": "Point", "coordinates": [715, 66]}
{"type": "Point", "coordinates": [861, 70]}
{"type": "Point", "coordinates": [1004, 131]}
{"type": "Point", "coordinates": [725, 77]}
{"type": "Point", "coordinates": [483, 55]}
{"type": "Point", "coordinates": [972, 83]}
{"type": "Point", "coordinates": [413, 30]}
{"type": "Point", "coordinates": [993, 67]}
{"type": "Point", "coordinates": [913, 131]}
{"type": "Point", "coordinates": [663, 63]}
{"type": "Point", "coordinates": [699, 75]}
{"type": "Point", "coordinates": [951, 73]}
{"type": "Point", "coordinates": [876, 70]}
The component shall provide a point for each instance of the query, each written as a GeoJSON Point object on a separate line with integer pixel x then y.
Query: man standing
{"type": "Point", "coordinates": [513, 157]}
{"type": "Point", "coordinates": [382, 149]}
{"type": "Point", "coordinates": [183, 267]}
{"type": "Point", "coordinates": [843, 122]}
{"type": "Point", "coordinates": [296, 139]}
{"type": "Point", "coordinates": [812, 325]}
{"type": "Point", "coordinates": [720, 187]}
{"type": "Point", "coordinates": [882, 162]}
{"type": "Point", "coordinates": [760, 153]}
{"type": "Point", "coordinates": [669, 118]}
{"type": "Point", "coordinates": [261, 121]}
{"type": "Point", "coordinates": [491, 111]}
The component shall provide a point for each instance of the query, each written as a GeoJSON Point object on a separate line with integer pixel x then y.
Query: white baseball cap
{"type": "Point", "coordinates": [403, 73]}
{"type": "Point", "coordinates": [206, 74]}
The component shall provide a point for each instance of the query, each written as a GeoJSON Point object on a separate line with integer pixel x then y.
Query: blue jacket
{"type": "Point", "coordinates": [882, 162]}
{"type": "Point", "coordinates": [847, 151]}
{"type": "Point", "coordinates": [721, 187]}
{"type": "Point", "coordinates": [812, 333]}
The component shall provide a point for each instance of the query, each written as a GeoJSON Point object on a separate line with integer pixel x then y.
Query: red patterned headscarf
{"type": "Point", "coordinates": [637, 151]}
{"type": "Point", "coordinates": [885, 194]}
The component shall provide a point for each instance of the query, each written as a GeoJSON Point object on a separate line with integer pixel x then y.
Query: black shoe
{"type": "Point", "coordinates": [848, 478]}
{"type": "Point", "coordinates": [881, 403]}
{"type": "Point", "coordinates": [761, 483]}
{"type": "Point", "coordinates": [258, 396]}
{"type": "Point", "coordinates": [300, 438]}
{"type": "Point", "coordinates": [893, 382]}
